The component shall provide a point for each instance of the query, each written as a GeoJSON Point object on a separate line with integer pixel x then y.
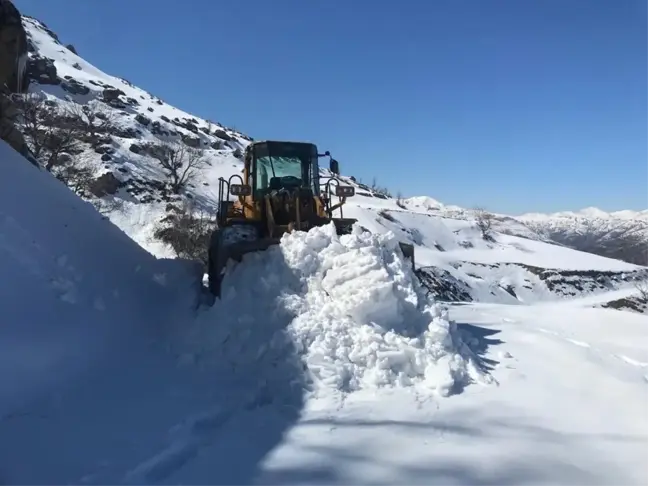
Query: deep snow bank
{"type": "Point", "coordinates": [349, 307]}
{"type": "Point", "coordinates": [73, 287]}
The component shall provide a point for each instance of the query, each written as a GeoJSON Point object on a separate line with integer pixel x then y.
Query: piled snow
{"type": "Point", "coordinates": [348, 305]}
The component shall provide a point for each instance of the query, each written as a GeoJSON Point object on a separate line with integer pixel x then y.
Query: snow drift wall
{"type": "Point", "coordinates": [347, 309]}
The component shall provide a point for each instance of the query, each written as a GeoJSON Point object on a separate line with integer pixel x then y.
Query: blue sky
{"type": "Point", "coordinates": [509, 104]}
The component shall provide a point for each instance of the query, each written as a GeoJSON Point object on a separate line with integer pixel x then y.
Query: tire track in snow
{"type": "Point", "coordinates": [189, 437]}
{"type": "Point", "coordinates": [599, 352]}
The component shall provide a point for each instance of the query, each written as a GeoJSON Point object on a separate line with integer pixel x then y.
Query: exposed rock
{"type": "Point", "coordinates": [222, 134]}
{"type": "Point", "coordinates": [13, 78]}
{"type": "Point", "coordinates": [72, 86]}
{"type": "Point", "coordinates": [144, 120]}
{"type": "Point", "coordinates": [110, 94]}
{"type": "Point", "coordinates": [189, 141]}
{"type": "Point", "coordinates": [106, 157]}
{"type": "Point", "coordinates": [42, 70]}
{"type": "Point", "coordinates": [105, 184]}
{"type": "Point", "coordinates": [187, 124]}
{"type": "Point", "coordinates": [71, 48]}
{"type": "Point", "coordinates": [443, 286]}
{"type": "Point", "coordinates": [63, 159]}
{"type": "Point", "coordinates": [125, 132]}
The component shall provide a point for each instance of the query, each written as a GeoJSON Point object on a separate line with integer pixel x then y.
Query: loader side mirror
{"type": "Point", "coordinates": [334, 167]}
{"type": "Point", "coordinates": [240, 190]}
{"type": "Point", "coordinates": [344, 191]}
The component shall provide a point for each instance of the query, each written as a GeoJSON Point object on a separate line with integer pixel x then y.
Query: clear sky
{"type": "Point", "coordinates": [513, 105]}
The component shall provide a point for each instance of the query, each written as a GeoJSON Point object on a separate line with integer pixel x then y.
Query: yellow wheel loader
{"type": "Point", "coordinates": [281, 191]}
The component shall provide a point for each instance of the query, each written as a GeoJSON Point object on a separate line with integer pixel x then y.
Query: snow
{"type": "Point", "coordinates": [323, 362]}
{"type": "Point", "coordinates": [350, 305]}
{"type": "Point", "coordinates": [305, 372]}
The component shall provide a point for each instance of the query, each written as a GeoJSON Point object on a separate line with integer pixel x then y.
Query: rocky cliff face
{"type": "Point", "coordinates": [13, 56]}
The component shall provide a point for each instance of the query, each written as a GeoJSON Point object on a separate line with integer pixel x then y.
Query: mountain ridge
{"type": "Point", "coordinates": [128, 176]}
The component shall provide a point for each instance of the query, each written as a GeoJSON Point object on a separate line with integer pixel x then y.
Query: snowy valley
{"type": "Point", "coordinates": [506, 357]}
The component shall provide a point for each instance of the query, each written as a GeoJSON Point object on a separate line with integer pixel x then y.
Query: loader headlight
{"type": "Point", "coordinates": [344, 191]}
{"type": "Point", "coordinates": [240, 190]}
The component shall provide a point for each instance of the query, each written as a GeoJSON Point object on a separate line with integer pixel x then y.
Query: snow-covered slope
{"type": "Point", "coordinates": [323, 363]}
{"type": "Point", "coordinates": [131, 188]}
{"type": "Point", "coordinates": [139, 199]}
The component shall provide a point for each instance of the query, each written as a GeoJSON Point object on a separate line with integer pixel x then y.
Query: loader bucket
{"type": "Point", "coordinates": [343, 226]}
{"type": "Point", "coordinates": [224, 247]}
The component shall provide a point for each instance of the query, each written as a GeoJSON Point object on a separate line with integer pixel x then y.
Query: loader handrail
{"type": "Point", "coordinates": [328, 196]}
{"type": "Point", "coordinates": [223, 196]}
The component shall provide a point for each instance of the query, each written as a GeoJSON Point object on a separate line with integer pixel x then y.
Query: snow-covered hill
{"type": "Point", "coordinates": [129, 185]}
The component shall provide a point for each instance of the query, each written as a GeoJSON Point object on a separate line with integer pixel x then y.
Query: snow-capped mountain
{"type": "Point", "coordinates": [620, 234]}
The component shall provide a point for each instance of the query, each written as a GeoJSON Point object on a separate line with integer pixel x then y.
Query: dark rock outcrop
{"type": "Point", "coordinates": [142, 119]}
{"type": "Point", "coordinates": [105, 184]}
{"type": "Point", "coordinates": [13, 60]}
{"type": "Point", "coordinates": [42, 70]}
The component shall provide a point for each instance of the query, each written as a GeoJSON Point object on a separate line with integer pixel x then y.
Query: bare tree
{"type": "Point", "coordinates": [380, 189]}
{"type": "Point", "coordinates": [77, 173]}
{"type": "Point", "coordinates": [484, 221]}
{"type": "Point", "coordinates": [48, 130]}
{"type": "Point", "coordinates": [181, 164]}
{"type": "Point", "coordinates": [188, 231]}
{"type": "Point", "coordinates": [399, 200]}
{"type": "Point", "coordinates": [94, 119]}
{"type": "Point", "coordinates": [34, 113]}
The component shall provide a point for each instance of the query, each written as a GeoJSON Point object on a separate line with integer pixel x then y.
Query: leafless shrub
{"type": "Point", "coordinates": [76, 173]}
{"type": "Point", "coordinates": [380, 189]}
{"type": "Point", "coordinates": [187, 231]}
{"type": "Point", "coordinates": [484, 221]}
{"type": "Point", "coordinates": [642, 288]}
{"type": "Point", "coordinates": [181, 164]}
{"type": "Point", "coordinates": [387, 216]}
{"type": "Point", "coordinates": [399, 200]}
{"type": "Point", "coordinates": [94, 120]}
{"type": "Point", "coordinates": [49, 130]}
